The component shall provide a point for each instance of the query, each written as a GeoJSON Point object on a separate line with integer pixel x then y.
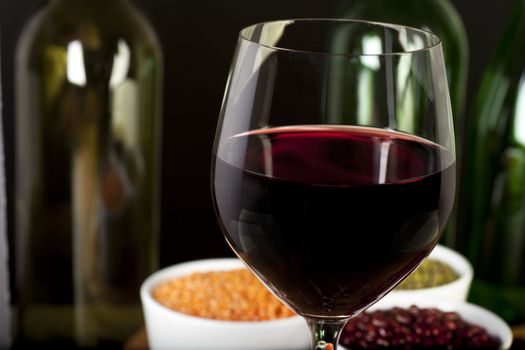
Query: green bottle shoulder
{"type": "Point", "coordinates": [95, 28]}
{"type": "Point", "coordinates": [444, 19]}
{"type": "Point", "coordinates": [505, 73]}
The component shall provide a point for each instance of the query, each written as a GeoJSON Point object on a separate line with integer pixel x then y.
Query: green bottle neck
{"type": "Point", "coordinates": [519, 8]}
{"type": "Point", "coordinates": [518, 11]}
{"type": "Point", "coordinates": [516, 25]}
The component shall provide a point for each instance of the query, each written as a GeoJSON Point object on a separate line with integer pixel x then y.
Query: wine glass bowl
{"type": "Point", "coordinates": [333, 171]}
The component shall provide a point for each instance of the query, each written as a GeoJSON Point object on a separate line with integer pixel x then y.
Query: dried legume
{"type": "Point", "coordinates": [431, 273]}
{"type": "Point", "coordinates": [234, 295]}
{"type": "Point", "coordinates": [415, 328]}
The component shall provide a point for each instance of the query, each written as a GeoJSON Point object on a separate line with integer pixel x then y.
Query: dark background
{"type": "Point", "coordinates": [198, 37]}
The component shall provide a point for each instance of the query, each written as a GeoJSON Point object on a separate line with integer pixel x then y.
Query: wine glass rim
{"type": "Point", "coordinates": [436, 41]}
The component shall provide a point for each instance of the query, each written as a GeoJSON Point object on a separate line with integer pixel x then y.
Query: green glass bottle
{"type": "Point", "coordinates": [492, 207]}
{"type": "Point", "coordinates": [88, 127]}
{"type": "Point", "coordinates": [5, 301]}
{"type": "Point", "coordinates": [440, 17]}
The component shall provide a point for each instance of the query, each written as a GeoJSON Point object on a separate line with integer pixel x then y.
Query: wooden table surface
{"type": "Point", "coordinates": [140, 340]}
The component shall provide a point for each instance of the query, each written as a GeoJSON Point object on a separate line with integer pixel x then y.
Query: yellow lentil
{"type": "Point", "coordinates": [234, 295]}
{"type": "Point", "coordinates": [431, 273]}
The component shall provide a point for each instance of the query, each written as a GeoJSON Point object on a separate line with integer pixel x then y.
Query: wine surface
{"type": "Point", "coordinates": [332, 217]}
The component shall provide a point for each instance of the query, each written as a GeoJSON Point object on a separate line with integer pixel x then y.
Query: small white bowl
{"type": "Point", "coordinates": [471, 313]}
{"type": "Point", "coordinates": [456, 290]}
{"type": "Point", "coordinates": [168, 329]}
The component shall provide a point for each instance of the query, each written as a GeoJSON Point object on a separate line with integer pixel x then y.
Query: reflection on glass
{"type": "Point", "coordinates": [76, 72]}
{"type": "Point", "coordinates": [519, 122]}
{"type": "Point", "coordinates": [121, 64]}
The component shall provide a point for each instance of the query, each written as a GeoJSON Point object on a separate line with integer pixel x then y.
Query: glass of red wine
{"type": "Point", "coordinates": [334, 166]}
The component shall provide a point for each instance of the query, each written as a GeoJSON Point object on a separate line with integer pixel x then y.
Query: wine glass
{"type": "Point", "coordinates": [334, 166]}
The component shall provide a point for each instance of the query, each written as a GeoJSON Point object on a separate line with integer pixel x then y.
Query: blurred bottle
{"type": "Point", "coordinates": [437, 16]}
{"type": "Point", "coordinates": [492, 210]}
{"type": "Point", "coordinates": [88, 132]}
{"type": "Point", "coordinates": [5, 307]}
{"type": "Point", "coordinates": [441, 18]}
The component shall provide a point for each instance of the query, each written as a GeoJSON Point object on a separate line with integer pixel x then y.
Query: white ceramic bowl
{"type": "Point", "coordinates": [471, 313]}
{"type": "Point", "coordinates": [168, 329]}
{"type": "Point", "coordinates": [456, 290]}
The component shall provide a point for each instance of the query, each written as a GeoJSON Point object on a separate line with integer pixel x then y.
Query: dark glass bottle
{"type": "Point", "coordinates": [492, 210]}
{"type": "Point", "coordinates": [5, 307]}
{"type": "Point", "coordinates": [88, 126]}
{"type": "Point", "coordinates": [440, 17]}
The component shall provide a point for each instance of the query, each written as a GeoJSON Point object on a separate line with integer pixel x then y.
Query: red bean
{"type": "Point", "coordinates": [415, 328]}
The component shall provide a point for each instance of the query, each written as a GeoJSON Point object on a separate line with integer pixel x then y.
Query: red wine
{"type": "Point", "coordinates": [332, 217]}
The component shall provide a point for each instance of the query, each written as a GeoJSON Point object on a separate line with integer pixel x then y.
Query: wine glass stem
{"type": "Point", "coordinates": [325, 333]}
